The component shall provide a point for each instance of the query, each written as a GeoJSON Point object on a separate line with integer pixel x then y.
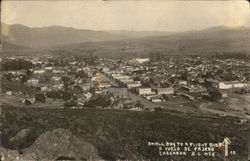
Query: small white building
{"type": "Point", "coordinates": [33, 81]}
{"type": "Point", "coordinates": [229, 85]}
{"type": "Point", "coordinates": [39, 71]}
{"type": "Point", "coordinates": [144, 91]}
{"type": "Point", "coordinates": [58, 86]}
{"type": "Point", "coordinates": [44, 88]}
{"type": "Point", "coordinates": [161, 91]}
{"type": "Point", "coordinates": [133, 85]}
{"type": "Point", "coordinates": [141, 60]}
{"type": "Point", "coordinates": [48, 68]}
{"type": "Point", "coordinates": [155, 99]}
{"type": "Point", "coordinates": [55, 78]}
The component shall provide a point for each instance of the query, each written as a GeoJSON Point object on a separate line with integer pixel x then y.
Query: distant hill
{"type": "Point", "coordinates": [216, 39]}
{"type": "Point", "coordinates": [139, 34]}
{"type": "Point", "coordinates": [13, 49]}
{"type": "Point", "coordinates": [45, 37]}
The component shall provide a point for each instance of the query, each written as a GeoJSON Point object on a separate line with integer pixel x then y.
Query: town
{"type": "Point", "coordinates": [151, 83]}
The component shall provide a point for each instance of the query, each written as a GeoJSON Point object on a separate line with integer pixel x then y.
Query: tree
{"type": "Point", "coordinates": [82, 74]}
{"type": "Point", "coordinates": [40, 97]}
{"type": "Point", "coordinates": [99, 100]}
{"type": "Point", "coordinates": [54, 94]}
{"type": "Point", "coordinates": [77, 89]}
{"type": "Point", "coordinates": [139, 104]}
{"type": "Point", "coordinates": [70, 104]}
{"type": "Point", "coordinates": [214, 94]}
{"type": "Point", "coordinates": [65, 79]}
{"type": "Point", "coordinates": [158, 109]}
{"type": "Point", "coordinates": [66, 96]}
{"type": "Point", "coordinates": [24, 79]}
{"type": "Point", "coordinates": [7, 77]}
{"type": "Point", "coordinates": [16, 64]}
{"type": "Point", "coordinates": [165, 97]}
{"type": "Point", "coordinates": [28, 73]}
{"type": "Point", "coordinates": [27, 102]}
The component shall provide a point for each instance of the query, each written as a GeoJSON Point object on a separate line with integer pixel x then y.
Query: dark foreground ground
{"type": "Point", "coordinates": [125, 134]}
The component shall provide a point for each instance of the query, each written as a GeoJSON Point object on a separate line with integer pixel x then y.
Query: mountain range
{"type": "Point", "coordinates": [215, 39]}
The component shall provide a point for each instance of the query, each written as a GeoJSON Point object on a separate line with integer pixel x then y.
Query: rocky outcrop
{"type": "Point", "coordinates": [20, 135]}
{"type": "Point", "coordinates": [60, 143]}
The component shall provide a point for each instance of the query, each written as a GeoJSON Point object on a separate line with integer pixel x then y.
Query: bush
{"type": "Point", "coordinates": [40, 98]}
{"type": "Point", "coordinates": [27, 102]}
{"type": "Point", "coordinates": [158, 109]}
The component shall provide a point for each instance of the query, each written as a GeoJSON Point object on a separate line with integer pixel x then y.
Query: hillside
{"type": "Point", "coordinates": [213, 40]}
{"type": "Point", "coordinates": [125, 135]}
{"type": "Point", "coordinates": [45, 37]}
{"type": "Point", "coordinates": [139, 34]}
{"type": "Point", "coordinates": [9, 49]}
{"type": "Point", "coordinates": [218, 39]}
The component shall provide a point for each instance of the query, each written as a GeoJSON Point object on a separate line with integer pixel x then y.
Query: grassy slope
{"type": "Point", "coordinates": [123, 134]}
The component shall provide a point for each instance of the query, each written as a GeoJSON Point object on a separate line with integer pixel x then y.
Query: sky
{"type": "Point", "coordinates": [143, 15]}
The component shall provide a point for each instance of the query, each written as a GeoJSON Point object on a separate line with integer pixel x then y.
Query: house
{"type": "Point", "coordinates": [58, 86]}
{"type": "Point", "coordinates": [189, 96]}
{"type": "Point", "coordinates": [233, 84]}
{"type": "Point", "coordinates": [237, 84]}
{"type": "Point", "coordinates": [9, 93]}
{"type": "Point", "coordinates": [133, 85]}
{"type": "Point", "coordinates": [39, 71]}
{"type": "Point", "coordinates": [118, 92]}
{"type": "Point", "coordinates": [44, 88]}
{"type": "Point", "coordinates": [135, 109]}
{"type": "Point", "coordinates": [58, 71]}
{"type": "Point", "coordinates": [155, 99]}
{"type": "Point", "coordinates": [194, 88]}
{"type": "Point", "coordinates": [104, 85]}
{"type": "Point", "coordinates": [182, 82]}
{"type": "Point", "coordinates": [88, 95]}
{"type": "Point", "coordinates": [225, 85]}
{"type": "Point", "coordinates": [85, 87]}
{"type": "Point", "coordinates": [55, 78]}
{"type": "Point", "coordinates": [33, 81]}
{"type": "Point", "coordinates": [140, 60]}
{"type": "Point", "coordinates": [144, 91]}
{"type": "Point", "coordinates": [48, 68]}
{"type": "Point", "coordinates": [161, 91]}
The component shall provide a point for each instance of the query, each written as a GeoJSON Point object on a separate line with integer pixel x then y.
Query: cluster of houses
{"type": "Point", "coordinates": [188, 77]}
{"type": "Point", "coordinates": [153, 80]}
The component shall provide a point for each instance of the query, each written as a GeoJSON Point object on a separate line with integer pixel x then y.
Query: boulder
{"type": "Point", "coordinates": [20, 135]}
{"type": "Point", "coordinates": [60, 143]}
{"type": "Point", "coordinates": [9, 155]}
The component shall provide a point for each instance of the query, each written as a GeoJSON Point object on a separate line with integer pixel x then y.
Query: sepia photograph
{"type": "Point", "coordinates": [125, 80]}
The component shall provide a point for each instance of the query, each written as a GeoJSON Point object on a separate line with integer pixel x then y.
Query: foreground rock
{"type": "Point", "coordinates": [60, 144]}
{"type": "Point", "coordinates": [8, 155]}
{"type": "Point", "coordinates": [20, 135]}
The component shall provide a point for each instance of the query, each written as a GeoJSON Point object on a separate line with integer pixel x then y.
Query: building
{"type": "Point", "coordinates": [144, 91]}
{"type": "Point", "coordinates": [133, 85]}
{"type": "Point", "coordinates": [118, 92]}
{"type": "Point", "coordinates": [141, 60]}
{"type": "Point", "coordinates": [48, 68]}
{"type": "Point", "coordinates": [155, 99]}
{"type": "Point", "coordinates": [58, 86]}
{"type": "Point", "coordinates": [39, 71]}
{"type": "Point", "coordinates": [104, 85]}
{"type": "Point", "coordinates": [234, 84]}
{"type": "Point", "coordinates": [194, 88]}
{"type": "Point", "coordinates": [161, 91]}
{"type": "Point", "coordinates": [33, 81]}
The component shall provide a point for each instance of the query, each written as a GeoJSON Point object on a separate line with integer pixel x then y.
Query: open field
{"type": "Point", "coordinates": [124, 134]}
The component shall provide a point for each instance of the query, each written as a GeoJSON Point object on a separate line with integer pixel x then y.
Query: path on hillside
{"type": "Point", "coordinates": [204, 107]}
